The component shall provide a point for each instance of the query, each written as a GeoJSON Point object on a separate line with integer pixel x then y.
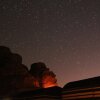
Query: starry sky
{"type": "Point", "coordinates": [64, 34]}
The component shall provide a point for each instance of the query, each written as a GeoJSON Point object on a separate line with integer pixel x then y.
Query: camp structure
{"type": "Point", "coordinates": [52, 93]}
{"type": "Point", "coordinates": [86, 89]}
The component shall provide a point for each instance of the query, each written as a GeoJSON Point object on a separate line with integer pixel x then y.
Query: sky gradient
{"type": "Point", "coordinates": [64, 34]}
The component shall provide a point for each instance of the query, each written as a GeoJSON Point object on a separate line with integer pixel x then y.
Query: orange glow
{"type": "Point", "coordinates": [49, 81]}
{"type": "Point", "coordinates": [49, 84]}
{"type": "Point", "coordinates": [36, 83]}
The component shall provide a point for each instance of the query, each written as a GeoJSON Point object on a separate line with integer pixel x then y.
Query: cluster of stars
{"type": "Point", "coordinates": [59, 32]}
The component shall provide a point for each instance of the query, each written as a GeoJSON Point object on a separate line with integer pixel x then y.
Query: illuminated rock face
{"type": "Point", "coordinates": [49, 79]}
{"type": "Point", "coordinates": [44, 77]}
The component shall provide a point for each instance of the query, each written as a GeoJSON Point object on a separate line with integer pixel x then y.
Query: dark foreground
{"type": "Point", "coordinates": [87, 89]}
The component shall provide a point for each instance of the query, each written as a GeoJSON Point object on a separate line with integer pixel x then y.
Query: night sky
{"type": "Point", "coordinates": [64, 34]}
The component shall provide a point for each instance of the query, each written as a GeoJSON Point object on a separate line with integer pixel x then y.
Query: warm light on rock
{"type": "Point", "coordinates": [49, 79]}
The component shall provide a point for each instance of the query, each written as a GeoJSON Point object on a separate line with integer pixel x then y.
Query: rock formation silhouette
{"type": "Point", "coordinates": [14, 75]}
{"type": "Point", "coordinates": [17, 82]}
{"type": "Point", "coordinates": [44, 77]}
